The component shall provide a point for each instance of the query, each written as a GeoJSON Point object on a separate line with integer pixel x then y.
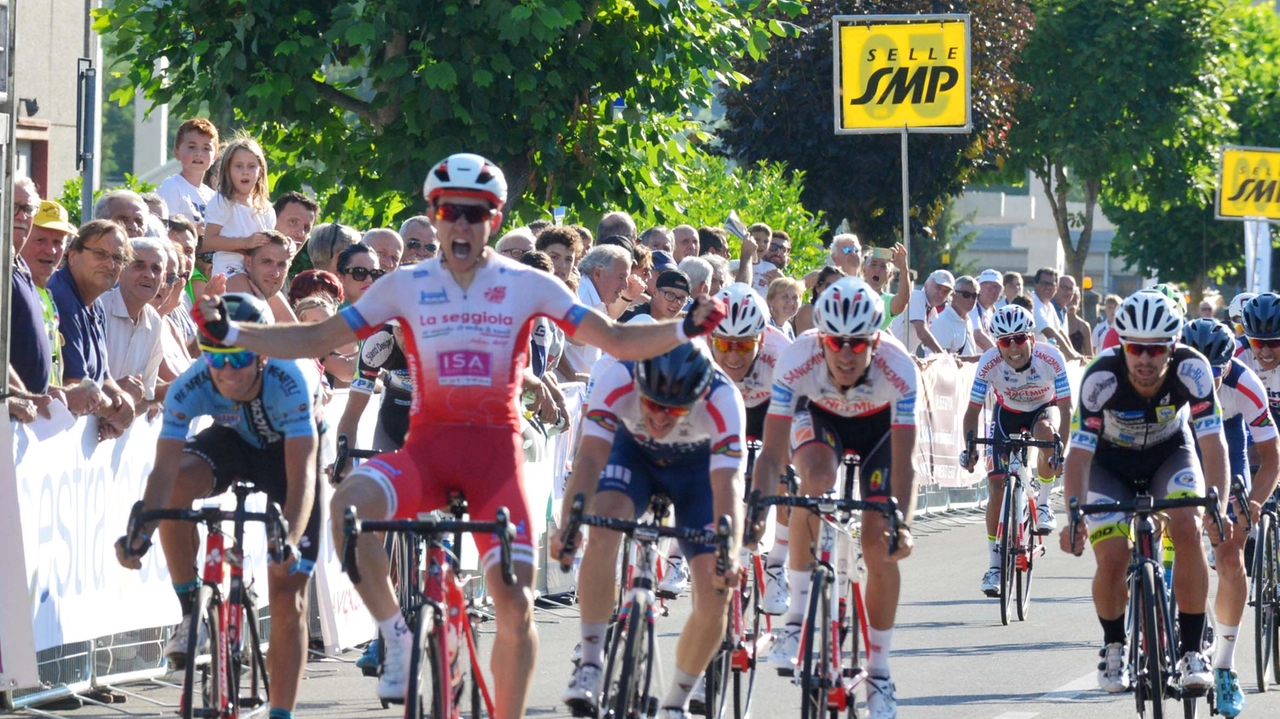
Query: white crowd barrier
{"type": "Point", "coordinates": [65, 498]}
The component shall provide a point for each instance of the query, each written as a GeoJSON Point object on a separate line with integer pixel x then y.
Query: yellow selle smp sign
{"type": "Point", "coordinates": [1249, 184]}
{"type": "Point", "coordinates": [896, 70]}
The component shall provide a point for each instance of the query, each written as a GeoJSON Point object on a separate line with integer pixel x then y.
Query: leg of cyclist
{"type": "Point", "coordinates": [181, 543]}
{"type": "Point", "coordinates": [597, 590]}
{"type": "Point", "coordinates": [702, 634]}
{"type": "Point", "coordinates": [286, 661]}
{"type": "Point", "coordinates": [1111, 550]}
{"type": "Point", "coordinates": [995, 505]}
{"type": "Point", "coordinates": [515, 640]}
{"type": "Point", "coordinates": [1233, 592]}
{"type": "Point", "coordinates": [1046, 425]}
{"type": "Point", "coordinates": [815, 464]}
{"type": "Point", "coordinates": [1180, 476]}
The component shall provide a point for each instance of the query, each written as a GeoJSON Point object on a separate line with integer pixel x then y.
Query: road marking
{"type": "Point", "coordinates": [1018, 715]}
{"type": "Point", "coordinates": [1072, 689]}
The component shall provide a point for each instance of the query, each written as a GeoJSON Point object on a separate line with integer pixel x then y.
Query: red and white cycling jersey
{"type": "Point", "coordinates": [715, 423]}
{"type": "Point", "coordinates": [1270, 378]}
{"type": "Point", "coordinates": [467, 348]}
{"type": "Point", "coordinates": [892, 380]}
{"type": "Point", "coordinates": [1042, 381]}
{"type": "Point", "coordinates": [757, 386]}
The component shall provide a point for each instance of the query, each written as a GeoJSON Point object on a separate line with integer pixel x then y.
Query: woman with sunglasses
{"type": "Point", "coordinates": [268, 419]}
{"type": "Point", "coordinates": [358, 268]}
{"type": "Point", "coordinates": [1260, 319]}
{"type": "Point", "coordinates": [846, 385]}
{"type": "Point", "coordinates": [803, 321]}
{"type": "Point", "coordinates": [1029, 381]}
{"type": "Point", "coordinates": [671, 425]}
{"type": "Point", "coordinates": [1129, 433]}
{"type": "Point", "coordinates": [1241, 393]}
{"type": "Point", "coordinates": [747, 349]}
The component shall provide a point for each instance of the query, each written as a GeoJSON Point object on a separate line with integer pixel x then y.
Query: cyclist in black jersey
{"type": "Point", "coordinates": [381, 355]}
{"type": "Point", "coordinates": [1131, 429]}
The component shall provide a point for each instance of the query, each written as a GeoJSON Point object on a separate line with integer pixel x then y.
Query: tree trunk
{"type": "Point", "coordinates": [1197, 293]}
{"type": "Point", "coordinates": [1054, 178]}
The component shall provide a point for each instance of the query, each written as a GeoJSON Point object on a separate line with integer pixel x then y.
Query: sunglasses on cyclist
{"type": "Point", "coordinates": [1153, 349]}
{"type": "Point", "coordinates": [741, 346]}
{"type": "Point", "coordinates": [668, 410]}
{"type": "Point", "coordinates": [360, 274]}
{"type": "Point", "coordinates": [1010, 340]}
{"type": "Point", "coordinates": [1260, 343]}
{"type": "Point", "coordinates": [855, 344]}
{"type": "Point", "coordinates": [475, 214]}
{"type": "Point", "coordinates": [237, 360]}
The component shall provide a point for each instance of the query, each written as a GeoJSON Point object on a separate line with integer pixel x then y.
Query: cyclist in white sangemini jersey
{"type": "Point", "coordinates": [1029, 380]}
{"type": "Point", "coordinates": [466, 316]}
{"type": "Point", "coordinates": [847, 385]}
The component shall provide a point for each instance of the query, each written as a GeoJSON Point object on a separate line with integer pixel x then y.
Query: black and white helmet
{"type": "Point", "coordinates": [745, 314]}
{"type": "Point", "coordinates": [1012, 320]}
{"type": "Point", "coordinates": [849, 307]}
{"type": "Point", "coordinates": [1148, 315]}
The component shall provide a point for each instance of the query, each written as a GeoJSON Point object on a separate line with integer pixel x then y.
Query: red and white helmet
{"type": "Point", "coordinates": [849, 307]}
{"type": "Point", "coordinates": [745, 313]}
{"type": "Point", "coordinates": [467, 175]}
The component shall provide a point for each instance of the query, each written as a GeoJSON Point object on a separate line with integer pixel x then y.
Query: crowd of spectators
{"type": "Point", "coordinates": [101, 312]}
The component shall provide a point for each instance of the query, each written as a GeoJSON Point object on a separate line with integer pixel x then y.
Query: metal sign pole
{"type": "Point", "coordinates": [906, 238]}
{"type": "Point", "coordinates": [10, 108]}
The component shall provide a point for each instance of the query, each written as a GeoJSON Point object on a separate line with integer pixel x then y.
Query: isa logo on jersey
{"type": "Point", "coordinates": [465, 367]}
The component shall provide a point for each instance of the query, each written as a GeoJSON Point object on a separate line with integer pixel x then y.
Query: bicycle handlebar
{"type": "Point", "coordinates": [345, 452]}
{"type": "Point", "coordinates": [428, 528]}
{"type": "Point", "coordinates": [824, 505]}
{"type": "Point", "coordinates": [212, 516]}
{"type": "Point", "coordinates": [1143, 504]}
{"type": "Point", "coordinates": [721, 536]}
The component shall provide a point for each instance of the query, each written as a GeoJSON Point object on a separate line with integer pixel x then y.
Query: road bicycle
{"type": "Point", "coordinates": [221, 618]}
{"type": "Point", "coordinates": [1153, 635]}
{"type": "Point", "coordinates": [632, 650]}
{"type": "Point", "coordinates": [1264, 595]}
{"type": "Point", "coordinates": [1018, 535]}
{"type": "Point", "coordinates": [440, 613]}
{"type": "Point", "coordinates": [829, 657]}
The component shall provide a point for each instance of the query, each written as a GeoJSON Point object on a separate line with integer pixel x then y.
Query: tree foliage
{"type": "Point", "coordinates": [1124, 94]}
{"type": "Point", "coordinates": [785, 115]}
{"type": "Point", "coordinates": [367, 94]}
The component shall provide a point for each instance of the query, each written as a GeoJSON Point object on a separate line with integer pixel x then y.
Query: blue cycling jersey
{"type": "Point", "coordinates": [287, 406]}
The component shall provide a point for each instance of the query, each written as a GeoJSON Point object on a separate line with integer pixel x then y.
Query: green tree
{"type": "Point", "coordinates": [703, 190]}
{"type": "Point", "coordinates": [367, 94]}
{"type": "Point", "coordinates": [1120, 93]}
{"type": "Point", "coordinates": [785, 115]}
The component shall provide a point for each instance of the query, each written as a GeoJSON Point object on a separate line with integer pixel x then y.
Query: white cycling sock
{"type": "Point", "coordinates": [593, 642]}
{"type": "Point", "coordinates": [878, 651]}
{"type": "Point", "coordinates": [799, 596]}
{"type": "Point", "coordinates": [1224, 649]}
{"type": "Point", "coordinates": [1046, 490]}
{"type": "Point", "coordinates": [993, 552]}
{"type": "Point", "coordinates": [778, 553]}
{"type": "Point", "coordinates": [681, 687]}
{"type": "Point", "coordinates": [393, 627]}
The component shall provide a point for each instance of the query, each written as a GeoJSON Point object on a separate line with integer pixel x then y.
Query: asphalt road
{"type": "Point", "coordinates": [952, 659]}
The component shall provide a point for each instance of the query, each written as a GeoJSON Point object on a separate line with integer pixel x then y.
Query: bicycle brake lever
{"type": "Point", "coordinates": [724, 537]}
{"type": "Point", "coordinates": [505, 535]}
{"type": "Point", "coordinates": [753, 515]}
{"type": "Point", "coordinates": [570, 536]}
{"type": "Point", "coordinates": [350, 535]}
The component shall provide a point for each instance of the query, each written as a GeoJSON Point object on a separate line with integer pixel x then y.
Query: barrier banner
{"type": "Point", "coordinates": [17, 643]}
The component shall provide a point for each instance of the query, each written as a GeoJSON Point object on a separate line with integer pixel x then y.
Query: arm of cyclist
{"type": "Point", "coordinates": [772, 458]}
{"type": "Point", "coordinates": [300, 495]}
{"type": "Point", "coordinates": [631, 342]}
{"type": "Point", "coordinates": [970, 424]}
{"type": "Point", "coordinates": [164, 474]}
{"type": "Point", "coordinates": [293, 341]}
{"type": "Point", "coordinates": [1213, 457]}
{"type": "Point", "coordinates": [726, 493]}
{"type": "Point", "coordinates": [593, 453]}
{"type": "Point", "coordinates": [349, 425]}
{"type": "Point", "coordinates": [1064, 429]}
{"type": "Point", "coordinates": [1264, 480]}
{"type": "Point", "coordinates": [902, 447]}
{"type": "Point", "coordinates": [1075, 477]}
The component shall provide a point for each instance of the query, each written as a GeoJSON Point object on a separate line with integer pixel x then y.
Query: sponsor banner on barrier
{"type": "Point", "coordinates": [17, 643]}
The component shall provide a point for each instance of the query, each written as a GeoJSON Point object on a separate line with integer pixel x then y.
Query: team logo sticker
{"type": "Point", "coordinates": [877, 480]}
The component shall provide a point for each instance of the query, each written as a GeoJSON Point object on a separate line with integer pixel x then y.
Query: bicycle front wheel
{"type": "Point", "coordinates": [428, 671]}
{"type": "Point", "coordinates": [815, 646]}
{"type": "Point", "coordinates": [1263, 598]}
{"type": "Point", "coordinates": [1028, 549]}
{"type": "Point", "coordinates": [633, 698]}
{"type": "Point", "coordinates": [1008, 550]}
{"type": "Point", "coordinates": [210, 698]}
{"type": "Point", "coordinates": [1152, 645]}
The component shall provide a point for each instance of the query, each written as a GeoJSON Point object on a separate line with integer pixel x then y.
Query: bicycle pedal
{"type": "Point", "coordinates": [665, 595]}
{"type": "Point", "coordinates": [250, 702]}
{"type": "Point", "coordinates": [583, 709]}
{"type": "Point", "coordinates": [369, 671]}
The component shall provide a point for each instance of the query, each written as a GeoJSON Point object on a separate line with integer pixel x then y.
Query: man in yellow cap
{"type": "Point", "coordinates": [46, 242]}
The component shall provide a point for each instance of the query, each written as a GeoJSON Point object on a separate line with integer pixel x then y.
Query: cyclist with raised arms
{"type": "Point", "coordinates": [466, 316]}
{"type": "Point", "coordinates": [670, 425]}
{"type": "Point", "coordinates": [267, 427]}
{"type": "Point", "coordinates": [1244, 405]}
{"type": "Point", "coordinates": [747, 348]}
{"type": "Point", "coordinates": [1029, 380]}
{"type": "Point", "coordinates": [1260, 317]}
{"type": "Point", "coordinates": [847, 385]}
{"type": "Point", "coordinates": [1129, 427]}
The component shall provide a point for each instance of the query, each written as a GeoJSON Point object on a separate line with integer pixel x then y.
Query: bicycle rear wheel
{"type": "Point", "coordinates": [718, 678]}
{"type": "Point", "coordinates": [425, 696]}
{"type": "Point", "coordinates": [1263, 598]}
{"type": "Point", "coordinates": [817, 636]}
{"type": "Point", "coordinates": [1008, 538]}
{"type": "Point", "coordinates": [259, 690]}
{"type": "Point", "coordinates": [211, 696]}
{"type": "Point", "coordinates": [1028, 546]}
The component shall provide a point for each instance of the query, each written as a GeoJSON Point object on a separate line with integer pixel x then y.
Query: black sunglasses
{"type": "Point", "coordinates": [414, 246]}
{"type": "Point", "coordinates": [360, 274]}
{"type": "Point", "coordinates": [967, 294]}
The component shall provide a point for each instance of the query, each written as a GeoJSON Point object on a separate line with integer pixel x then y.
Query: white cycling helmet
{"type": "Point", "coordinates": [848, 308]}
{"type": "Point", "coordinates": [1012, 320]}
{"type": "Point", "coordinates": [1148, 315]}
{"type": "Point", "coordinates": [744, 311]}
{"type": "Point", "coordinates": [1236, 310]}
{"type": "Point", "coordinates": [467, 175]}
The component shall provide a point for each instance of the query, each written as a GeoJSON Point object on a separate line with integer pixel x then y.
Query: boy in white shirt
{"type": "Point", "coordinates": [196, 147]}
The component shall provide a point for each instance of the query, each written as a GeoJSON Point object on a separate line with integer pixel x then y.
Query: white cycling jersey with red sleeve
{"type": "Point", "coordinates": [757, 386]}
{"type": "Point", "coordinates": [1041, 381]}
{"type": "Point", "coordinates": [892, 381]}
{"type": "Point", "coordinates": [715, 423]}
{"type": "Point", "coordinates": [467, 348]}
